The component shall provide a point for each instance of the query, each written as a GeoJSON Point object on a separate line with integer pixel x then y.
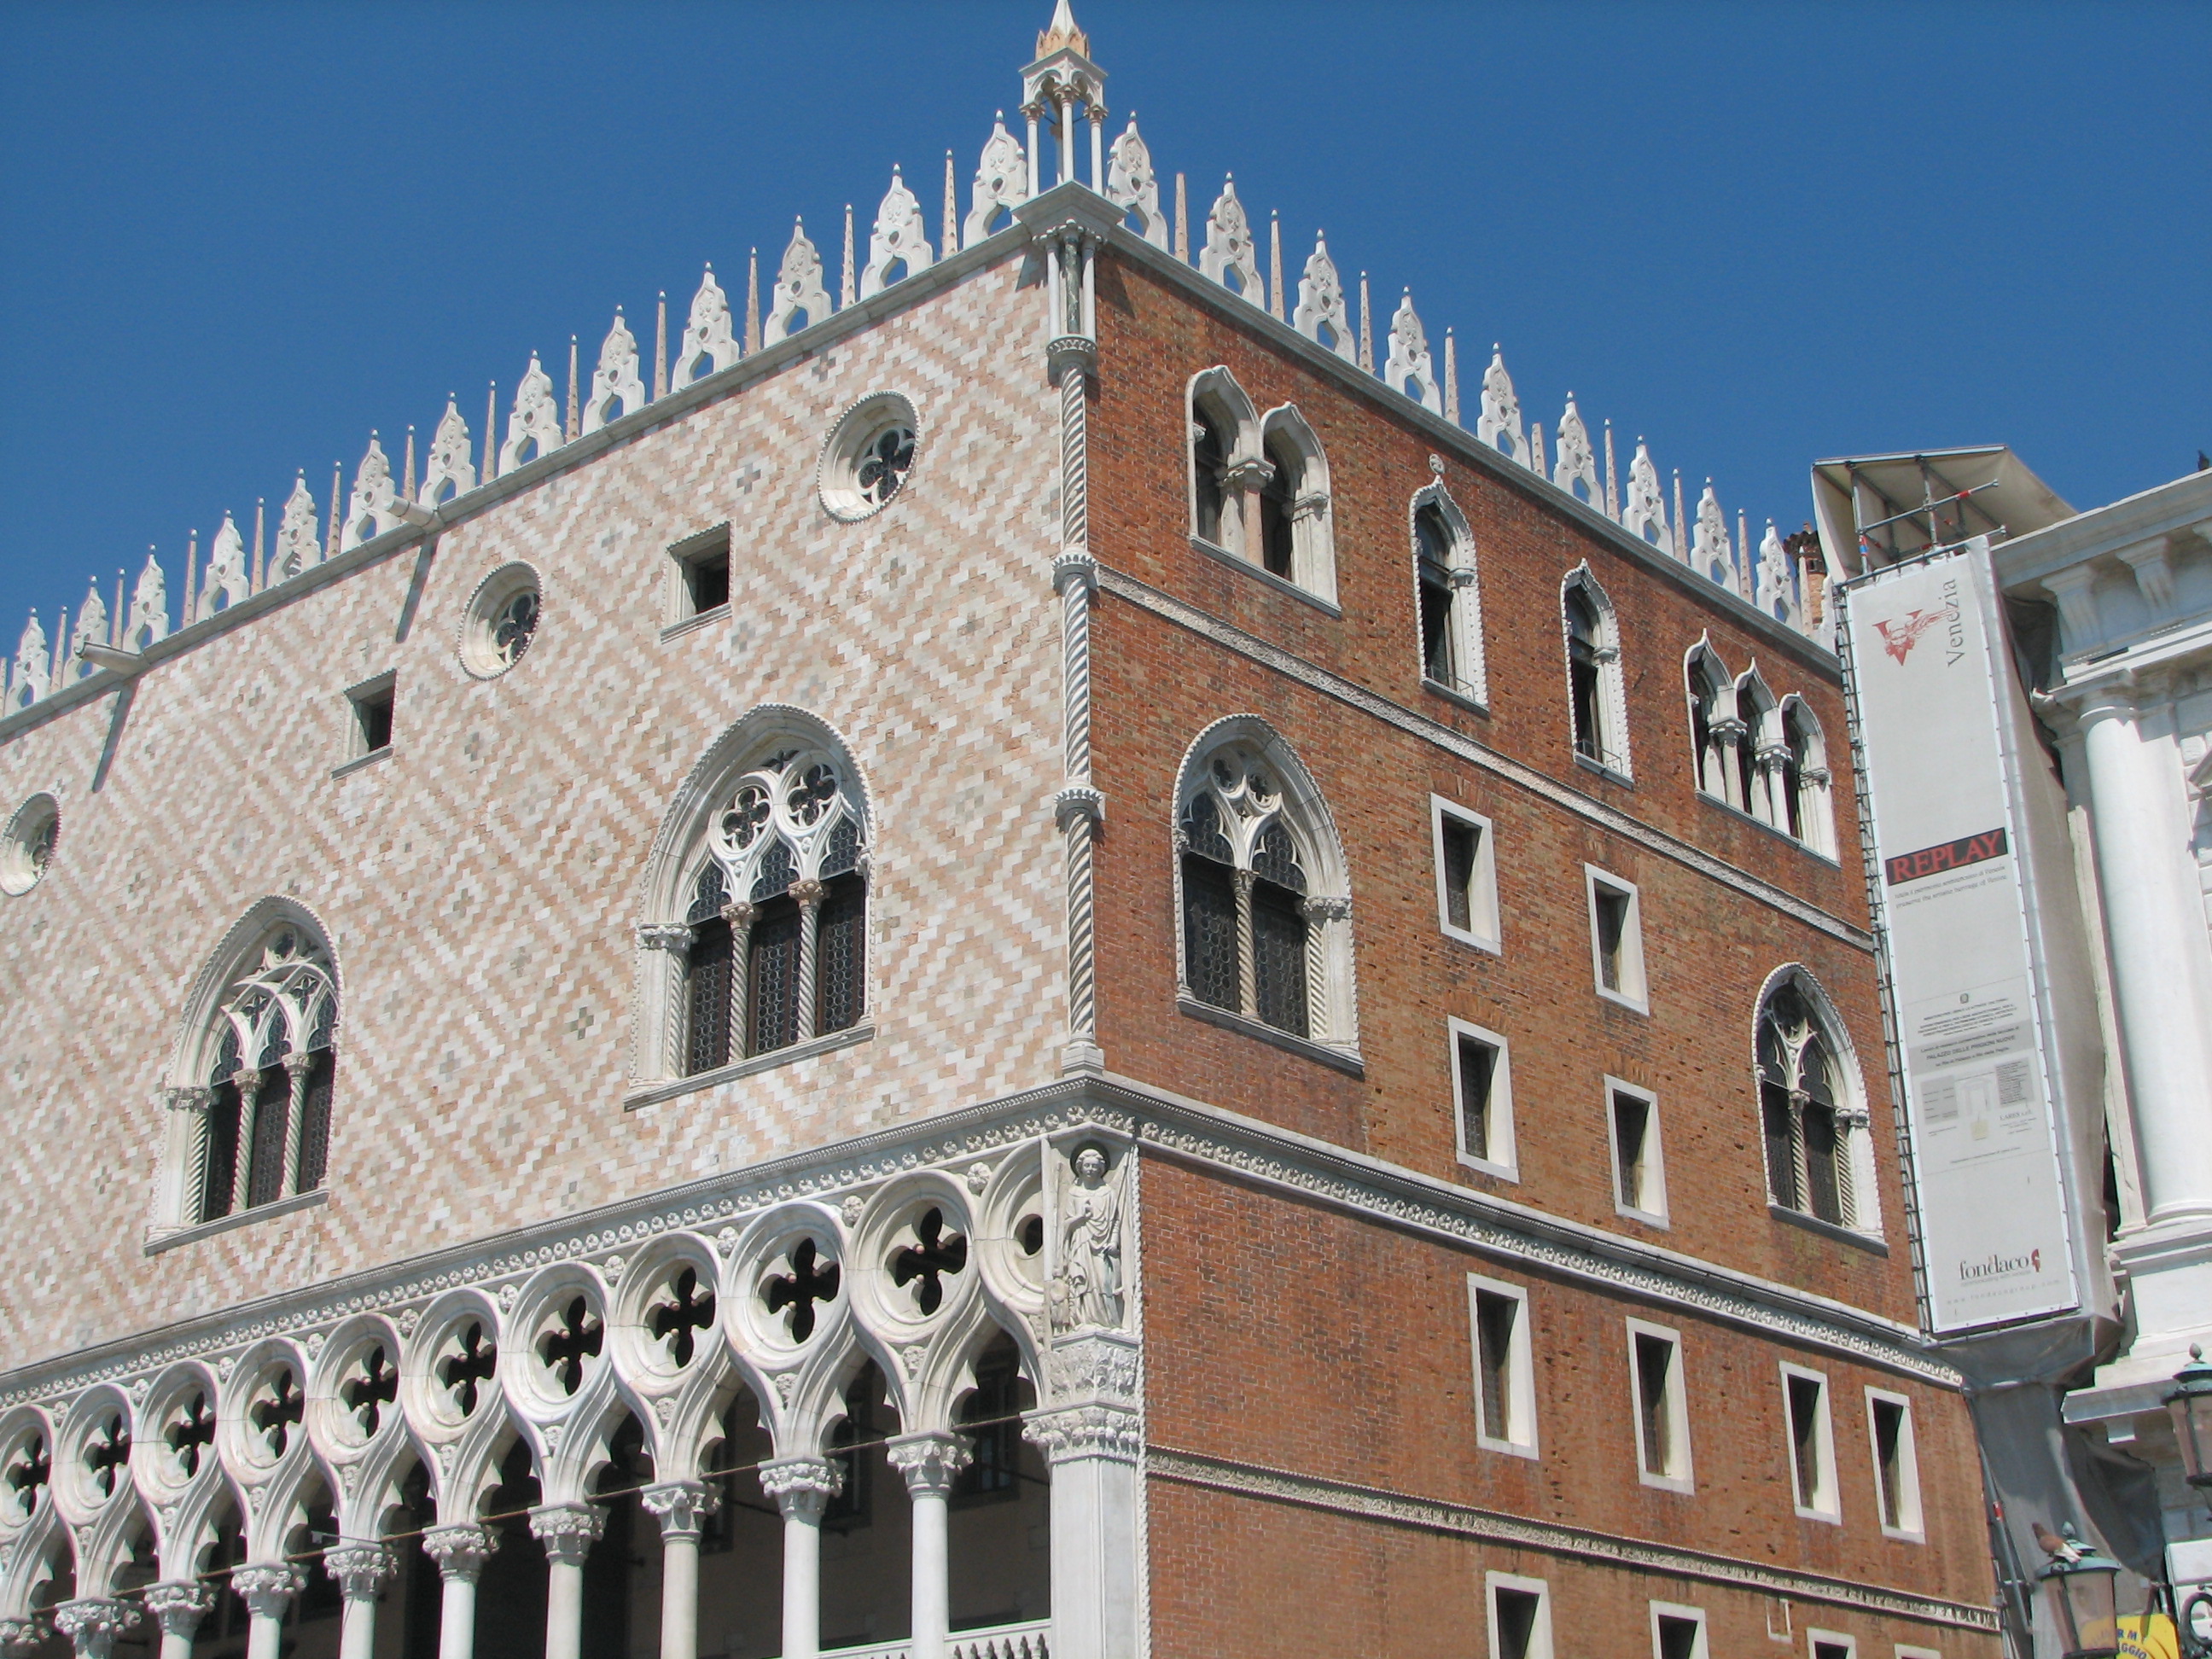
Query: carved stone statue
{"type": "Point", "coordinates": [1090, 1245]}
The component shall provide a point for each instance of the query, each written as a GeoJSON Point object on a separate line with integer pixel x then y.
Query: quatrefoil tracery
{"type": "Point", "coordinates": [795, 818]}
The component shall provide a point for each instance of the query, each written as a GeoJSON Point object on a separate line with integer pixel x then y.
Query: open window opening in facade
{"type": "Point", "coordinates": [1616, 918]}
{"type": "Point", "coordinates": [1818, 1155]}
{"type": "Point", "coordinates": [1520, 1617]}
{"type": "Point", "coordinates": [1259, 486]}
{"type": "Point", "coordinates": [1765, 757]}
{"type": "Point", "coordinates": [1812, 1437]}
{"type": "Point", "coordinates": [1465, 854]}
{"type": "Point", "coordinates": [1504, 1367]}
{"type": "Point", "coordinates": [1678, 1632]}
{"type": "Point", "coordinates": [1896, 1464]}
{"type": "Point", "coordinates": [1597, 704]}
{"type": "Point", "coordinates": [265, 1056]}
{"type": "Point", "coordinates": [1661, 1404]}
{"type": "Point", "coordinates": [1482, 1099]}
{"type": "Point", "coordinates": [1265, 916]}
{"type": "Point", "coordinates": [1450, 603]}
{"type": "Point", "coordinates": [1639, 1178]}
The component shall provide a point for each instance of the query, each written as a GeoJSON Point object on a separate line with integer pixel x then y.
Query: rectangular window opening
{"type": "Point", "coordinates": [1612, 929]}
{"type": "Point", "coordinates": [1663, 1430]}
{"type": "Point", "coordinates": [1896, 1474]}
{"type": "Point", "coordinates": [703, 563]}
{"type": "Point", "coordinates": [1616, 937]}
{"type": "Point", "coordinates": [1812, 1445]}
{"type": "Point", "coordinates": [1478, 1065]}
{"type": "Point", "coordinates": [1438, 660]}
{"type": "Point", "coordinates": [1678, 1636]}
{"type": "Point", "coordinates": [1825, 1646]}
{"type": "Point", "coordinates": [1482, 1099]}
{"type": "Point", "coordinates": [1519, 1628]}
{"type": "Point", "coordinates": [1467, 874]}
{"type": "Point", "coordinates": [375, 713]}
{"type": "Point", "coordinates": [1636, 1154]}
{"type": "Point", "coordinates": [1462, 841]}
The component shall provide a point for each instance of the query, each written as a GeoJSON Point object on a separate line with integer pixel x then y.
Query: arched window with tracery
{"type": "Point", "coordinates": [262, 1067]}
{"type": "Point", "coordinates": [1819, 1158]}
{"type": "Point", "coordinates": [1266, 914]}
{"type": "Point", "coordinates": [1450, 600]}
{"type": "Point", "coordinates": [1597, 699]}
{"type": "Point", "coordinates": [769, 845]}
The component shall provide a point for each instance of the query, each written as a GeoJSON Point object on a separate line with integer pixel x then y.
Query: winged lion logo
{"type": "Point", "coordinates": [1899, 638]}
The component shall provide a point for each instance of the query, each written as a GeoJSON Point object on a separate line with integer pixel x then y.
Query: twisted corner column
{"type": "Point", "coordinates": [931, 1461]}
{"type": "Point", "coordinates": [681, 1508]}
{"type": "Point", "coordinates": [461, 1551]}
{"type": "Point", "coordinates": [268, 1589]}
{"type": "Point", "coordinates": [802, 1488]}
{"type": "Point", "coordinates": [363, 1568]}
{"type": "Point", "coordinates": [180, 1605]}
{"type": "Point", "coordinates": [568, 1531]}
{"type": "Point", "coordinates": [93, 1622]}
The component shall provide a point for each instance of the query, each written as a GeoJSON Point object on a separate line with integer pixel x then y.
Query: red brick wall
{"type": "Point", "coordinates": [1297, 1338]}
{"type": "Point", "coordinates": [1708, 948]}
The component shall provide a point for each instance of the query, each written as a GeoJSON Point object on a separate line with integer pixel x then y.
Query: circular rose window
{"type": "Point", "coordinates": [501, 621]}
{"type": "Point", "coordinates": [27, 847]}
{"type": "Point", "coordinates": [869, 455]}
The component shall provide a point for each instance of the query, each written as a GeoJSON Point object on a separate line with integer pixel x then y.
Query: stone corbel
{"type": "Point", "coordinates": [2154, 571]}
{"type": "Point", "coordinates": [1326, 909]}
{"type": "Point", "coordinates": [1249, 474]}
{"type": "Point", "coordinates": [187, 1099]}
{"type": "Point", "coordinates": [2081, 627]}
{"type": "Point", "coordinates": [1607, 654]}
{"type": "Point", "coordinates": [664, 936]}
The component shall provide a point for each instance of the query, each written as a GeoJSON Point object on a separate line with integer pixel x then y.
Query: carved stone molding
{"type": "Point", "coordinates": [1078, 801]}
{"type": "Point", "coordinates": [93, 1623]}
{"type": "Point", "coordinates": [1068, 1434]}
{"type": "Point", "coordinates": [180, 1604]}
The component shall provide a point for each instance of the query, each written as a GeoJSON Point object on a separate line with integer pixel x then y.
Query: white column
{"type": "Point", "coordinates": [931, 1461]}
{"type": "Point", "coordinates": [568, 1531]}
{"type": "Point", "coordinates": [362, 1570]}
{"type": "Point", "coordinates": [180, 1605]}
{"type": "Point", "coordinates": [461, 1551]}
{"type": "Point", "coordinates": [91, 1623]}
{"type": "Point", "coordinates": [802, 1487]}
{"type": "Point", "coordinates": [267, 1588]}
{"type": "Point", "coordinates": [1092, 1440]}
{"type": "Point", "coordinates": [2154, 921]}
{"type": "Point", "coordinates": [681, 1506]}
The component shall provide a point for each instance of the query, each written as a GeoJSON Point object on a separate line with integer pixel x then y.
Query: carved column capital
{"type": "Point", "coordinates": [1325, 909]}
{"type": "Point", "coordinates": [681, 1506]}
{"type": "Point", "coordinates": [93, 1622]}
{"type": "Point", "coordinates": [267, 1587]}
{"type": "Point", "coordinates": [1074, 564]}
{"type": "Point", "coordinates": [1247, 475]}
{"type": "Point", "coordinates": [460, 1549]}
{"type": "Point", "coordinates": [20, 1638]}
{"type": "Point", "coordinates": [931, 1461]}
{"type": "Point", "coordinates": [801, 1487]}
{"type": "Point", "coordinates": [665, 936]}
{"type": "Point", "coordinates": [806, 893]}
{"type": "Point", "coordinates": [568, 1530]}
{"type": "Point", "coordinates": [1068, 1434]}
{"type": "Point", "coordinates": [739, 914]}
{"type": "Point", "coordinates": [1728, 729]}
{"type": "Point", "coordinates": [361, 1568]}
{"type": "Point", "coordinates": [187, 1099]}
{"type": "Point", "coordinates": [1066, 351]}
{"type": "Point", "coordinates": [180, 1604]}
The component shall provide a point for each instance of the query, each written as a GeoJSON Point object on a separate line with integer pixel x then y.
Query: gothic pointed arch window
{"type": "Point", "coordinates": [1803, 784]}
{"type": "Point", "coordinates": [1297, 537]}
{"type": "Point", "coordinates": [1819, 1160]}
{"type": "Point", "coordinates": [260, 1068]}
{"type": "Point", "coordinates": [1758, 752]}
{"type": "Point", "coordinates": [764, 860]}
{"type": "Point", "coordinates": [1450, 598]}
{"type": "Point", "coordinates": [1226, 465]}
{"type": "Point", "coordinates": [1597, 698]}
{"type": "Point", "coordinates": [1266, 914]}
{"type": "Point", "coordinates": [1714, 728]}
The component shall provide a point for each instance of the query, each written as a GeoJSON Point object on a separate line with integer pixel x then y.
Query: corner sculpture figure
{"type": "Point", "coordinates": [1091, 1246]}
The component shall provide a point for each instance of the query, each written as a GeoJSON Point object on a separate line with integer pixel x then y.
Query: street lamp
{"type": "Point", "coordinates": [2079, 1586]}
{"type": "Point", "coordinates": [2190, 1404]}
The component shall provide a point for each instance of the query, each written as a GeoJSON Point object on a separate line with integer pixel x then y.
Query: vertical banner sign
{"type": "Point", "coordinates": [1934, 711]}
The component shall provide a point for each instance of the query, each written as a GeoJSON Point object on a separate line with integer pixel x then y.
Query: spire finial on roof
{"type": "Point", "coordinates": [1062, 31]}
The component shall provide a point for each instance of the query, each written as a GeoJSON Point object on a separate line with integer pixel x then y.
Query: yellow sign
{"type": "Point", "coordinates": [2148, 1636]}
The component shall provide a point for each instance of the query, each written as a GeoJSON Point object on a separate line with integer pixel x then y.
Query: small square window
{"type": "Point", "coordinates": [1504, 1367]}
{"type": "Point", "coordinates": [1520, 1617]}
{"type": "Point", "coordinates": [1663, 1417]}
{"type": "Point", "coordinates": [702, 567]}
{"type": "Point", "coordinates": [1640, 1173]}
{"type": "Point", "coordinates": [1677, 1632]}
{"type": "Point", "coordinates": [1482, 1100]}
{"type": "Point", "coordinates": [1896, 1465]}
{"type": "Point", "coordinates": [1616, 939]}
{"type": "Point", "coordinates": [1467, 874]}
{"type": "Point", "coordinates": [1812, 1444]}
{"type": "Point", "coordinates": [370, 705]}
{"type": "Point", "coordinates": [1828, 1645]}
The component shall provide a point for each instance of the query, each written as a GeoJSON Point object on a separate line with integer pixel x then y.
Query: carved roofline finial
{"type": "Point", "coordinates": [1062, 32]}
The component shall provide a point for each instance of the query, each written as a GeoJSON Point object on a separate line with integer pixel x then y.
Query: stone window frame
{"type": "Point", "coordinates": [1701, 1649]}
{"type": "Point", "coordinates": [1610, 707]}
{"type": "Point", "coordinates": [1910, 1506]}
{"type": "Point", "coordinates": [1519, 1367]}
{"type": "Point", "coordinates": [1539, 1636]}
{"type": "Point", "coordinates": [680, 853]}
{"type": "Point", "coordinates": [1831, 1644]}
{"type": "Point", "coordinates": [679, 612]}
{"type": "Point", "coordinates": [1714, 728]}
{"type": "Point", "coordinates": [1682, 1476]}
{"type": "Point", "coordinates": [1502, 1159]}
{"type": "Point", "coordinates": [1487, 929]}
{"type": "Point", "coordinates": [1863, 1222]}
{"type": "Point", "coordinates": [1332, 992]}
{"type": "Point", "coordinates": [1634, 990]}
{"type": "Point", "coordinates": [1470, 681]}
{"type": "Point", "coordinates": [1654, 1156]}
{"type": "Point", "coordinates": [1246, 468]}
{"type": "Point", "coordinates": [185, 1088]}
{"type": "Point", "coordinates": [1824, 1503]}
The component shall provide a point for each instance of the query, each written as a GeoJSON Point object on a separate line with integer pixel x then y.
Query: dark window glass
{"type": "Point", "coordinates": [1655, 1361]}
{"type": "Point", "coordinates": [995, 1410]}
{"type": "Point", "coordinates": [853, 1504]}
{"type": "Point", "coordinates": [1889, 1460]}
{"type": "Point", "coordinates": [840, 939]}
{"type": "Point", "coordinates": [1276, 860]}
{"type": "Point", "coordinates": [1208, 456]}
{"type": "Point", "coordinates": [1747, 749]}
{"type": "Point", "coordinates": [374, 712]}
{"type": "Point", "coordinates": [1494, 1317]}
{"type": "Point", "coordinates": [220, 1173]}
{"type": "Point", "coordinates": [1781, 1154]}
{"type": "Point", "coordinates": [1631, 1130]}
{"type": "Point", "coordinates": [1822, 1148]}
{"type": "Point", "coordinates": [706, 580]}
{"type": "Point", "coordinates": [315, 1119]}
{"type": "Point", "coordinates": [1516, 1623]}
{"type": "Point", "coordinates": [1279, 957]}
{"type": "Point", "coordinates": [1612, 908]}
{"type": "Point", "coordinates": [772, 995]}
{"type": "Point", "coordinates": [1478, 1069]}
{"type": "Point", "coordinates": [1278, 504]}
{"type": "Point", "coordinates": [1805, 1438]}
{"type": "Point", "coordinates": [707, 968]}
{"type": "Point", "coordinates": [775, 873]}
{"type": "Point", "coordinates": [271, 1117]}
{"type": "Point", "coordinates": [1677, 1637]}
{"type": "Point", "coordinates": [1462, 843]}
{"type": "Point", "coordinates": [1209, 930]}
{"type": "Point", "coordinates": [1581, 675]}
{"type": "Point", "coordinates": [1437, 661]}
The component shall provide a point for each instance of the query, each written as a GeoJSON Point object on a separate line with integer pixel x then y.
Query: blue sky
{"type": "Point", "coordinates": [235, 238]}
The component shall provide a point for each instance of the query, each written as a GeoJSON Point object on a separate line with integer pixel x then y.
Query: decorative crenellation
{"type": "Point", "coordinates": [1060, 81]}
